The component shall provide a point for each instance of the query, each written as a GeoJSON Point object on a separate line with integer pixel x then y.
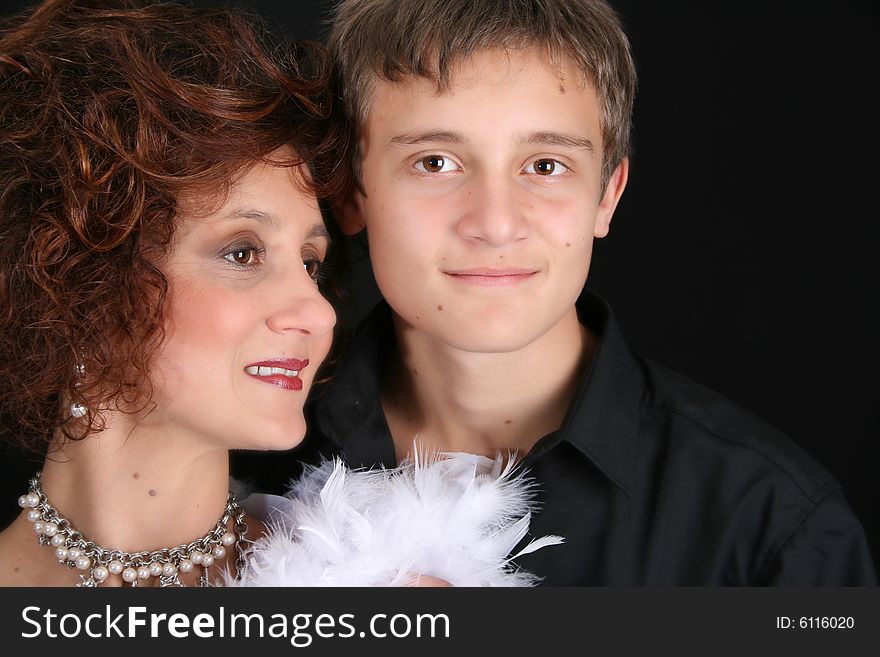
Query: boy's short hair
{"type": "Point", "coordinates": [391, 39]}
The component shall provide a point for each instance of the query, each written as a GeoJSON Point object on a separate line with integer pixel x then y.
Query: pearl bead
{"type": "Point", "coordinates": [208, 560]}
{"type": "Point", "coordinates": [219, 552]}
{"type": "Point", "coordinates": [74, 553]}
{"type": "Point", "coordinates": [100, 573]}
{"type": "Point", "coordinates": [50, 529]}
{"type": "Point", "coordinates": [143, 572]}
{"type": "Point", "coordinates": [168, 569]}
{"type": "Point", "coordinates": [59, 539]}
{"type": "Point", "coordinates": [115, 567]}
{"type": "Point", "coordinates": [32, 500]}
{"type": "Point", "coordinates": [22, 501]}
{"type": "Point", "coordinates": [38, 527]}
{"type": "Point", "coordinates": [129, 574]}
{"type": "Point", "coordinates": [185, 566]}
{"type": "Point", "coordinates": [228, 539]}
{"type": "Point", "coordinates": [33, 515]}
{"type": "Point", "coordinates": [61, 554]}
{"type": "Point", "coordinates": [83, 563]}
{"type": "Point", "coordinates": [196, 557]}
{"type": "Point", "coordinates": [155, 569]}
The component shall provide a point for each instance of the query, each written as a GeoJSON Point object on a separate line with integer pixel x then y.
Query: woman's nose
{"type": "Point", "coordinates": [303, 309]}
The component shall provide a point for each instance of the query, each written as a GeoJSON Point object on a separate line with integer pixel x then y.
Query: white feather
{"type": "Point", "coordinates": [452, 516]}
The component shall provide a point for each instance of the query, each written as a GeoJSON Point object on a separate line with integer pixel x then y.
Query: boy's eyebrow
{"type": "Point", "coordinates": [447, 137]}
{"type": "Point", "coordinates": [558, 139]}
{"type": "Point", "coordinates": [442, 136]}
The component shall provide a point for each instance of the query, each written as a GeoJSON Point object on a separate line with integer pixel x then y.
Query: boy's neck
{"type": "Point", "coordinates": [483, 402]}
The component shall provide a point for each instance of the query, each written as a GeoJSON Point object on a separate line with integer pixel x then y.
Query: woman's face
{"type": "Point", "coordinates": [246, 327]}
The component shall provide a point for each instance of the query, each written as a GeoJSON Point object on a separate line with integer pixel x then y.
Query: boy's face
{"type": "Point", "coordinates": [482, 202]}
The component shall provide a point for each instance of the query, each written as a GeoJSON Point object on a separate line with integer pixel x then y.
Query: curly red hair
{"type": "Point", "coordinates": [109, 114]}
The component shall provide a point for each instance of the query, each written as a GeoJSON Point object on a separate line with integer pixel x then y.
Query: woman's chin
{"type": "Point", "coordinates": [277, 437]}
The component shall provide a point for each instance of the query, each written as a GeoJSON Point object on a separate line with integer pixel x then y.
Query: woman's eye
{"type": "Point", "coordinates": [546, 167]}
{"type": "Point", "coordinates": [436, 164]}
{"type": "Point", "coordinates": [243, 257]}
{"type": "Point", "coordinates": [313, 268]}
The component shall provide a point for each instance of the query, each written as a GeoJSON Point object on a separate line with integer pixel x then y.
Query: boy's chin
{"type": "Point", "coordinates": [494, 339]}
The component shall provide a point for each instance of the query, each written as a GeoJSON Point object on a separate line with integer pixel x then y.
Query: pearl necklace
{"type": "Point", "coordinates": [96, 563]}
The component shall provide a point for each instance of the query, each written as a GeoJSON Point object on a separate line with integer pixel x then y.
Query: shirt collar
{"type": "Point", "coordinates": [602, 421]}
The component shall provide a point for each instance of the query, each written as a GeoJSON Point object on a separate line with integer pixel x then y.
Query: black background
{"type": "Point", "coordinates": [743, 248]}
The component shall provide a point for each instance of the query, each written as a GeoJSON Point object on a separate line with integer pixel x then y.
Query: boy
{"type": "Point", "coordinates": [493, 150]}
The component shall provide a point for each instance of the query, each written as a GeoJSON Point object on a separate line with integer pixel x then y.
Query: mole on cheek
{"type": "Point", "coordinates": [152, 493]}
{"type": "Point", "coordinates": [440, 307]}
{"type": "Point", "coordinates": [136, 475]}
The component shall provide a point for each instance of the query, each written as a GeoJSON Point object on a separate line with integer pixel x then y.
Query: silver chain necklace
{"type": "Point", "coordinates": [95, 563]}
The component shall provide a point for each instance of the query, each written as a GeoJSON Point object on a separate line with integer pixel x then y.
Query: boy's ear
{"type": "Point", "coordinates": [348, 214]}
{"type": "Point", "coordinates": [613, 190]}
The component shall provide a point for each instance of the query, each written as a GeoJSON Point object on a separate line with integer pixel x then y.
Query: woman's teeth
{"type": "Point", "coordinates": [269, 371]}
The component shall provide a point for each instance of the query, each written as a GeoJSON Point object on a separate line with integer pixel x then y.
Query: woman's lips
{"type": "Point", "coordinates": [281, 372]}
{"type": "Point", "coordinates": [492, 277]}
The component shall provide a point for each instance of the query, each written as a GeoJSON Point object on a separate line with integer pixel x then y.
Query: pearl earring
{"type": "Point", "coordinates": [77, 410]}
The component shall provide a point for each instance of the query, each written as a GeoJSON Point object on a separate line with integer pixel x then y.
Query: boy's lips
{"type": "Point", "coordinates": [490, 277]}
{"type": "Point", "coordinates": [280, 372]}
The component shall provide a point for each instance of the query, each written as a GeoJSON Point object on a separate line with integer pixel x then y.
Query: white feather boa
{"type": "Point", "coordinates": [456, 517]}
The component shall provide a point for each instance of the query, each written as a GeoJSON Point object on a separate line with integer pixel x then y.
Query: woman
{"type": "Point", "coordinates": [161, 259]}
{"type": "Point", "coordinates": [161, 251]}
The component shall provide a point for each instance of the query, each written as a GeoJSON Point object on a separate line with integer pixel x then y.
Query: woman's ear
{"type": "Point", "coordinates": [348, 214]}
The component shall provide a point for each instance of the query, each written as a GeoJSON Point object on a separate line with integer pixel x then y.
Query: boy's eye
{"type": "Point", "coordinates": [436, 164]}
{"type": "Point", "coordinates": [546, 167]}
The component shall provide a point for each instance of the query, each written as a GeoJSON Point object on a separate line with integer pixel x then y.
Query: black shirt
{"type": "Point", "coordinates": [652, 479]}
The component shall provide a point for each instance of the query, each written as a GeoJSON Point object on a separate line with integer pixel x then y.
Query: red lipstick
{"type": "Point", "coordinates": [280, 372]}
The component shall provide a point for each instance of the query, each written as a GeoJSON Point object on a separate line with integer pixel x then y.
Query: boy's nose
{"type": "Point", "coordinates": [493, 215]}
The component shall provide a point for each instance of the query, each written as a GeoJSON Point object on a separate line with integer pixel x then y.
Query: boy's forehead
{"type": "Point", "coordinates": [487, 81]}
{"type": "Point", "coordinates": [490, 67]}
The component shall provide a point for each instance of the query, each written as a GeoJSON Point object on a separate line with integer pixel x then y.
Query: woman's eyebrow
{"type": "Point", "coordinates": [268, 218]}
{"type": "Point", "coordinates": [319, 230]}
{"type": "Point", "coordinates": [272, 220]}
